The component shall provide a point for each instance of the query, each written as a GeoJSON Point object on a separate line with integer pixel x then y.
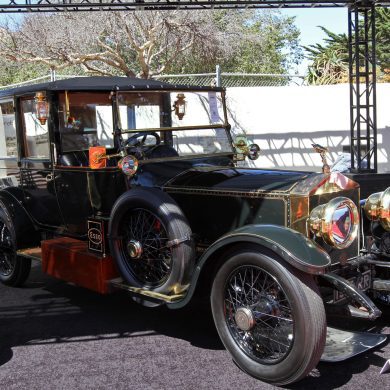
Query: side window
{"type": "Point", "coordinates": [85, 120]}
{"type": "Point", "coordinates": [8, 146]}
{"type": "Point", "coordinates": [36, 135]}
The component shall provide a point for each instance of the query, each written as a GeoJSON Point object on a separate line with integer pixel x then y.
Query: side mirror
{"type": "Point", "coordinates": [245, 149]}
{"type": "Point", "coordinates": [254, 151]}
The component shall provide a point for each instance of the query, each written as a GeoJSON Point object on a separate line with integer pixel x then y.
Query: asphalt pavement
{"type": "Point", "coordinates": [57, 336]}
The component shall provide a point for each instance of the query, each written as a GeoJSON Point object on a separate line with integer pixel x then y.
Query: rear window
{"type": "Point", "coordinates": [8, 146]}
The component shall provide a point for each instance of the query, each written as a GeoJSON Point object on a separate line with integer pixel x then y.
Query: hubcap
{"type": "Point", "coordinates": [134, 249]}
{"type": "Point", "coordinates": [244, 318]}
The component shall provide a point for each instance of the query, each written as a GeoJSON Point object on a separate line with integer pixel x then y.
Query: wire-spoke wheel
{"type": "Point", "coordinates": [151, 241]}
{"type": "Point", "coordinates": [14, 270]}
{"type": "Point", "coordinates": [146, 247]}
{"type": "Point", "coordinates": [258, 314]}
{"type": "Point", "coordinates": [269, 316]}
{"type": "Point", "coordinates": [7, 251]}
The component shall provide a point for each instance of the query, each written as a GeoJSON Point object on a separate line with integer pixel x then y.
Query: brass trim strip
{"type": "Point", "coordinates": [239, 194]}
{"type": "Point", "coordinates": [248, 194]}
{"type": "Point", "coordinates": [188, 157]}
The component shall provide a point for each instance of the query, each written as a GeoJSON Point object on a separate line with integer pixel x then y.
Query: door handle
{"type": "Point", "coordinates": [50, 177]}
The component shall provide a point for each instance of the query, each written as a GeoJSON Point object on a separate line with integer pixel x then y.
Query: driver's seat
{"type": "Point", "coordinates": [161, 150]}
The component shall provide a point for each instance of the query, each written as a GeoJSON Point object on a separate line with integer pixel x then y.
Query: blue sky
{"type": "Point", "coordinates": [307, 20]}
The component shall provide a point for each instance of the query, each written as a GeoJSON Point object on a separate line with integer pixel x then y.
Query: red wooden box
{"type": "Point", "coordinates": [69, 259]}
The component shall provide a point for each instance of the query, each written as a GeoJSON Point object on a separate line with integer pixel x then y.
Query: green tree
{"type": "Point", "coordinates": [248, 42]}
{"type": "Point", "coordinates": [146, 44]}
{"type": "Point", "coordinates": [330, 60]}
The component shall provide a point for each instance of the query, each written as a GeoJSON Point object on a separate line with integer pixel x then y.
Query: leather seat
{"type": "Point", "coordinates": [162, 151]}
{"type": "Point", "coordinates": [74, 159]}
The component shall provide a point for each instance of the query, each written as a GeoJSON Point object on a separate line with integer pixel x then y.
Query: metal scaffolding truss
{"type": "Point", "coordinates": [361, 26]}
{"type": "Point", "coordinates": [7, 6]}
{"type": "Point", "coordinates": [362, 82]}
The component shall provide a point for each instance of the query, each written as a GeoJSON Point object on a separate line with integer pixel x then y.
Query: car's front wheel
{"type": "Point", "coordinates": [269, 316]}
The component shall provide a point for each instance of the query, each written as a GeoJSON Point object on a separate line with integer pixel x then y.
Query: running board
{"type": "Point", "coordinates": [342, 345]}
{"type": "Point", "coordinates": [31, 253]}
{"type": "Point", "coordinates": [152, 295]}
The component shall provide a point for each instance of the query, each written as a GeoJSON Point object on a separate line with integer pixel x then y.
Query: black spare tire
{"type": "Point", "coordinates": [14, 270]}
{"type": "Point", "coordinates": [150, 240]}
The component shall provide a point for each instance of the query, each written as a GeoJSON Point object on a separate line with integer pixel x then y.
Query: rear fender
{"type": "Point", "coordinates": [25, 230]}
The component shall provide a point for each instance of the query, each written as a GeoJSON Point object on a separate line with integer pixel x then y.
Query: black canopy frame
{"type": "Point", "coordinates": [361, 42]}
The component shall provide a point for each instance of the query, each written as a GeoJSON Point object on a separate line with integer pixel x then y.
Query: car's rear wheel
{"type": "Point", "coordinates": [14, 270]}
{"type": "Point", "coordinates": [269, 316]}
{"type": "Point", "coordinates": [151, 241]}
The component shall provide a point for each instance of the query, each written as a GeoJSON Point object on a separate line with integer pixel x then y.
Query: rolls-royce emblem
{"type": "Point", "coordinates": [95, 236]}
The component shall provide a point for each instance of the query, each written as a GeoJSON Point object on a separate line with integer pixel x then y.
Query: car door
{"type": "Point", "coordinates": [37, 174]}
{"type": "Point", "coordinates": [85, 120]}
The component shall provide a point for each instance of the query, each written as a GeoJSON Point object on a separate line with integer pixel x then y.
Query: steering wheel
{"type": "Point", "coordinates": [134, 142]}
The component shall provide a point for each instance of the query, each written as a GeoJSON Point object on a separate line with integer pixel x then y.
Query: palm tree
{"type": "Point", "coordinates": [330, 60]}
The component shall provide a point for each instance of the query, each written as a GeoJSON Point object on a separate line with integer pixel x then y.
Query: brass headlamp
{"type": "Point", "coordinates": [377, 208]}
{"type": "Point", "coordinates": [337, 222]}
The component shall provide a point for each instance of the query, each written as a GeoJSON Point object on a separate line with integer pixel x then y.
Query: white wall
{"type": "Point", "coordinates": [285, 121]}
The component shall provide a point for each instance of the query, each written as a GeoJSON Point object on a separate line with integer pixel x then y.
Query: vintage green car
{"type": "Point", "coordinates": [140, 185]}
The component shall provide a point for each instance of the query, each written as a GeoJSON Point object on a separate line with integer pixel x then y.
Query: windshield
{"type": "Point", "coordinates": [186, 122]}
{"type": "Point", "coordinates": [194, 120]}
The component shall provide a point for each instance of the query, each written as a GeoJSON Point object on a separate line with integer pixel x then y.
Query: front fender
{"type": "Point", "coordinates": [290, 245]}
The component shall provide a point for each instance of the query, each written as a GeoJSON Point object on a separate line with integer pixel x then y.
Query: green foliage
{"type": "Point", "coordinates": [275, 53]}
{"type": "Point", "coordinates": [383, 40]}
{"type": "Point", "coordinates": [330, 60]}
{"type": "Point", "coordinates": [255, 42]}
{"type": "Point", "coordinates": [11, 72]}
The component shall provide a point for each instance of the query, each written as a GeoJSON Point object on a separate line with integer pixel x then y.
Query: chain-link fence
{"type": "Point", "coordinates": [38, 80]}
{"type": "Point", "coordinates": [233, 79]}
{"type": "Point", "coordinates": [201, 79]}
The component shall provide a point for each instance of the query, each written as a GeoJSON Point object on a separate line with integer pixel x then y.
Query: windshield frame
{"type": "Point", "coordinates": [119, 143]}
{"type": "Point", "coordinates": [118, 140]}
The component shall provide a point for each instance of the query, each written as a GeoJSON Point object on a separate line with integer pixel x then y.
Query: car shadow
{"type": "Point", "coordinates": [64, 313]}
{"type": "Point", "coordinates": [58, 312]}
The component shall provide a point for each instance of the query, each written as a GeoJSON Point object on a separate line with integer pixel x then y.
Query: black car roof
{"type": "Point", "coordinates": [101, 83]}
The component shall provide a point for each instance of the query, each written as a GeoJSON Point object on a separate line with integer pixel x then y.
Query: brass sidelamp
{"type": "Point", "coordinates": [41, 107]}
{"type": "Point", "coordinates": [377, 208]}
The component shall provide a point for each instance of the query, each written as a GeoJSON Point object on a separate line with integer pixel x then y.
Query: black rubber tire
{"type": "Point", "coordinates": [22, 266]}
{"type": "Point", "coordinates": [166, 209]}
{"type": "Point", "coordinates": [307, 310]}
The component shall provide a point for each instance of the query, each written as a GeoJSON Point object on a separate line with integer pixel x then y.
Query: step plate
{"type": "Point", "coordinates": [341, 344]}
{"type": "Point", "coordinates": [31, 253]}
{"type": "Point", "coordinates": [120, 284]}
